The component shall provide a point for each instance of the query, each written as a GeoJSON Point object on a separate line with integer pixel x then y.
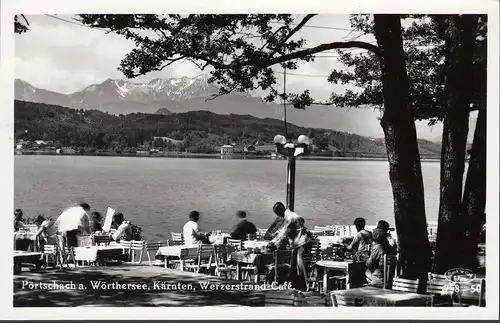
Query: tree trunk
{"type": "Point", "coordinates": [405, 170]}
{"type": "Point", "coordinates": [450, 241]}
{"type": "Point", "coordinates": [474, 200]}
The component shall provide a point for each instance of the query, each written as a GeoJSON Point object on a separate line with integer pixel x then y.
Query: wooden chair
{"type": "Point", "coordinates": [153, 247]}
{"type": "Point", "coordinates": [136, 246]}
{"type": "Point", "coordinates": [177, 237]}
{"type": "Point", "coordinates": [126, 246]}
{"type": "Point", "coordinates": [235, 243]}
{"type": "Point", "coordinates": [204, 259]}
{"type": "Point", "coordinates": [253, 237]}
{"type": "Point", "coordinates": [222, 253]}
{"type": "Point", "coordinates": [281, 257]}
{"type": "Point", "coordinates": [310, 259]}
{"type": "Point", "coordinates": [405, 285]}
{"type": "Point", "coordinates": [440, 289]}
{"type": "Point", "coordinates": [342, 301]}
{"type": "Point", "coordinates": [50, 251]}
{"type": "Point", "coordinates": [389, 270]}
{"type": "Point", "coordinates": [471, 293]}
{"type": "Point", "coordinates": [102, 240]}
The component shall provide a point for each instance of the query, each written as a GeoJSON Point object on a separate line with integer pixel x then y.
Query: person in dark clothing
{"type": "Point", "coordinates": [242, 228]}
{"type": "Point", "coordinates": [279, 210]}
{"type": "Point", "coordinates": [361, 244]}
{"type": "Point", "coordinates": [95, 222]}
{"type": "Point", "coordinates": [375, 262]}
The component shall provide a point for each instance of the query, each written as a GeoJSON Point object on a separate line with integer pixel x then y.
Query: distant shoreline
{"type": "Point", "coordinates": [214, 156]}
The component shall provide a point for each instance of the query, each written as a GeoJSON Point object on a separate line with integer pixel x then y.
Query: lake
{"type": "Point", "coordinates": [159, 193]}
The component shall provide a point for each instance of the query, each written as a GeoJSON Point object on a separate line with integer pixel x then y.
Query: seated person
{"type": "Point", "coordinates": [191, 233]}
{"type": "Point", "coordinates": [361, 244]}
{"type": "Point", "coordinates": [124, 229]}
{"type": "Point", "coordinates": [243, 228]}
{"type": "Point", "coordinates": [384, 226]}
{"type": "Point", "coordinates": [20, 244]}
{"type": "Point", "coordinates": [96, 222]}
{"type": "Point", "coordinates": [18, 220]}
{"type": "Point", "coordinates": [279, 210]}
{"type": "Point", "coordinates": [375, 262]}
{"type": "Point", "coordinates": [46, 231]}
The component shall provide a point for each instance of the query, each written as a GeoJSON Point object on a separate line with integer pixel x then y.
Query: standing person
{"type": "Point", "coordinates": [191, 232]}
{"type": "Point", "coordinates": [243, 227]}
{"type": "Point", "coordinates": [279, 210]}
{"type": "Point", "coordinates": [361, 244]}
{"type": "Point", "coordinates": [124, 229]}
{"type": "Point", "coordinates": [73, 221]}
{"type": "Point", "coordinates": [292, 233]}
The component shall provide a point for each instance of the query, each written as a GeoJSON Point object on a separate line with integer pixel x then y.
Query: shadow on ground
{"type": "Point", "coordinates": [84, 287]}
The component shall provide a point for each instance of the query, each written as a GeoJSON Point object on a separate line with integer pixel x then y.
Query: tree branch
{"type": "Point", "coordinates": [320, 48]}
{"type": "Point", "coordinates": [296, 29]}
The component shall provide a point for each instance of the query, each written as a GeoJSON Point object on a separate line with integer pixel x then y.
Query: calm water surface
{"type": "Point", "coordinates": [158, 193]}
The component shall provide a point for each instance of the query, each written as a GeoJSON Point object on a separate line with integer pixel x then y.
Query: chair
{"type": "Point", "coordinates": [50, 251]}
{"type": "Point", "coordinates": [204, 259]}
{"type": "Point", "coordinates": [390, 263]}
{"type": "Point", "coordinates": [281, 257]}
{"type": "Point", "coordinates": [339, 300]}
{"type": "Point", "coordinates": [405, 285]}
{"type": "Point", "coordinates": [440, 289]}
{"type": "Point", "coordinates": [253, 237]}
{"type": "Point", "coordinates": [310, 259]}
{"type": "Point", "coordinates": [126, 246]}
{"type": "Point", "coordinates": [177, 237]}
{"type": "Point", "coordinates": [235, 243]}
{"type": "Point", "coordinates": [471, 293]}
{"type": "Point", "coordinates": [136, 246]}
{"type": "Point", "coordinates": [222, 253]}
{"type": "Point", "coordinates": [102, 240]}
{"type": "Point", "coordinates": [261, 232]}
{"type": "Point", "coordinates": [154, 247]}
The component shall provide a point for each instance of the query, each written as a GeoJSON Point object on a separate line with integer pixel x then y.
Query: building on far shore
{"type": "Point", "coordinates": [227, 150]}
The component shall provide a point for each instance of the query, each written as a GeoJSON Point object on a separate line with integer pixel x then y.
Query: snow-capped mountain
{"type": "Point", "coordinates": [184, 94]}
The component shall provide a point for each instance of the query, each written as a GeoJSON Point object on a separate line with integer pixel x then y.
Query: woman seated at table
{"type": "Point", "coordinates": [375, 263]}
{"type": "Point", "coordinates": [124, 229]}
{"type": "Point", "coordinates": [96, 223]}
{"type": "Point", "coordinates": [18, 220]}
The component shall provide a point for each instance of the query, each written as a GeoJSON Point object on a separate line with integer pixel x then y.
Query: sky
{"type": "Point", "coordinates": [65, 57]}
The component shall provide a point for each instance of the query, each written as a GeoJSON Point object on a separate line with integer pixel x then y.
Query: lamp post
{"type": "Point", "coordinates": [291, 151]}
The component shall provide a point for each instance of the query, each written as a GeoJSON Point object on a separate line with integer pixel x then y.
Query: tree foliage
{"type": "Point", "coordinates": [426, 63]}
{"type": "Point", "coordinates": [20, 24]}
{"type": "Point", "coordinates": [240, 49]}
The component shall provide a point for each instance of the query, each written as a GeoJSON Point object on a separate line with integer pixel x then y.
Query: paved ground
{"type": "Point", "coordinates": [148, 286]}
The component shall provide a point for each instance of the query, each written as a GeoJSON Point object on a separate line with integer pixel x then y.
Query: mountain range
{"type": "Point", "coordinates": [177, 95]}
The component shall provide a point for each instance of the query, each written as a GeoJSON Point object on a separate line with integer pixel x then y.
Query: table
{"type": "Point", "coordinates": [372, 296]}
{"type": "Point", "coordinates": [26, 236]}
{"type": "Point", "coordinates": [25, 257]}
{"type": "Point", "coordinates": [259, 260]}
{"type": "Point", "coordinates": [350, 268]}
{"type": "Point", "coordinates": [98, 253]}
{"type": "Point", "coordinates": [255, 244]}
{"type": "Point", "coordinates": [326, 241]}
{"type": "Point", "coordinates": [180, 252]}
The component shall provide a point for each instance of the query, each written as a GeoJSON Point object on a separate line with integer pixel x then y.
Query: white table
{"type": "Point", "coordinates": [180, 252]}
{"type": "Point", "coordinates": [348, 267]}
{"type": "Point", "coordinates": [326, 241]}
{"type": "Point", "coordinates": [261, 244]}
{"type": "Point", "coordinates": [98, 253]}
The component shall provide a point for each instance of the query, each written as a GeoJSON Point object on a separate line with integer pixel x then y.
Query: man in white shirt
{"type": "Point", "coordinates": [191, 233]}
{"type": "Point", "coordinates": [73, 221]}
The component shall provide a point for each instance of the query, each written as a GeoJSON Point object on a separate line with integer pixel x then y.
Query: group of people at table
{"type": "Point", "coordinates": [64, 231]}
{"type": "Point", "coordinates": [288, 231]}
